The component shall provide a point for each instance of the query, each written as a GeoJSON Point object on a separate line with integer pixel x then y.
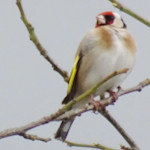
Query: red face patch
{"type": "Point", "coordinates": [109, 18]}
{"type": "Point", "coordinates": [106, 13]}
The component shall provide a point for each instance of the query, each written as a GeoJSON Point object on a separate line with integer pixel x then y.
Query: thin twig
{"type": "Point", "coordinates": [138, 88]}
{"type": "Point", "coordinates": [125, 148]}
{"type": "Point", "coordinates": [129, 12]}
{"type": "Point", "coordinates": [34, 137]}
{"type": "Point", "coordinates": [93, 89]}
{"type": "Point", "coordinates": [115, 123]}
{"type": "Point", "coordinates": [104, 102]}
{"type": "Point", "coordinates": [94, 145]}
{"type": "Point", "coordinates": [108, 101]}
{"type": "Point", "coordinates": [44, 120]}
{"type": "Point", "coordinates": [34, 39]}
{"type": "Point", "coordinates": [120, 129]}
{"type": "Point", "coordinates": [108, 116]}
{"type": "Point", "coordinates": [47, 119]}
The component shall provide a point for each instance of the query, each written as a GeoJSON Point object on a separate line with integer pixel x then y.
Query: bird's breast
{"type": "Point", "coordinates": [101, 60]}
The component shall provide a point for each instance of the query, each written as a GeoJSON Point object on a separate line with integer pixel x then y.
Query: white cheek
{"type": "Point", "coordinates": [117, 16]}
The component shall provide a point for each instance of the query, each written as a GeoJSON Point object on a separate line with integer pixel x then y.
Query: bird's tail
{"type": "Point", "coordinates": [64, 128]}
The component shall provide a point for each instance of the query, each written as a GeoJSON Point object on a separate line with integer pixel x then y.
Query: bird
{"type": "Point", "coordinates": [107, 48]}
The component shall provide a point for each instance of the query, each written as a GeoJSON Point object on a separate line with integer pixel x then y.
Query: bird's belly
{"type": "Point", "coordinates": [105, 64]}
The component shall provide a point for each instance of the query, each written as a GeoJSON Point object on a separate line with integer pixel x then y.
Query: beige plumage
{"type": "Point", "coordinates": [107, 48]}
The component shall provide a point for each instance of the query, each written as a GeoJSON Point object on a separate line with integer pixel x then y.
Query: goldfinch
{"type": "Point", "coordinates": [107, 48]}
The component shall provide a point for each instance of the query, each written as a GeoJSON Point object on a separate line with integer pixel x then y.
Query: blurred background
{"type": "Point", "coordinates": [30, 89]}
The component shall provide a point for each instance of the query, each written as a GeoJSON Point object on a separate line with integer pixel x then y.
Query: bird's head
{"type": "Point", "coordinates": [109, 18]}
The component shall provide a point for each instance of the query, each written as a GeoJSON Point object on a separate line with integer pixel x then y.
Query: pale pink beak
{"type": "Point", "coordinates": [100, 19]}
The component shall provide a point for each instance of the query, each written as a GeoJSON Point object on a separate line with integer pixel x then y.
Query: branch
{"type": "Point", "coordinates": [120, 129]}
{"type": "Point", "coordinates": [34, 137]}
{"type": "Point", "coordinates": [45, 120]}
{"type": "Point", "coordinates": [109, 101]}
{"type": "Point", "coordinates": [94, 145]}
{"type": "Point", "coordinates": [23, 129]}
{"type": "Point", "coordinates": [104, 102]}
{"type": "Point", "coordinates": [93, 89]}
{"type": "Point", "coordinates": [125, 148]}
{"type": "Point", "coordinates": [34, 39]}
{"type": "Point", "coordinates": [137, 88]}
{"type": "Point", "coordinates": [115, 123]}
{"type": "Point", "coordinates": [129, 12]}
{"type": "Point", "coordinates": [29, 126]}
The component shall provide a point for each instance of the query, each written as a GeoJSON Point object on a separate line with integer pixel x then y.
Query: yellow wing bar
{"type": "Point", "coordinates": [74, 71]}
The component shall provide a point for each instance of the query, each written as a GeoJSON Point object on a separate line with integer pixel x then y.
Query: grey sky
{"type": "Point", "coordinates": [30, 89]}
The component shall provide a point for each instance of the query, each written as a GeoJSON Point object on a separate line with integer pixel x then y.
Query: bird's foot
{"type": "Point", "coordinates": [114, 95]}
{"type": "Point", "coordinates": [97, 104]}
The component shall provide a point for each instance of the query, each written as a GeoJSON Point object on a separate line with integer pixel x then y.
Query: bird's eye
{"type": "Point", "coordinates": [109, 18]}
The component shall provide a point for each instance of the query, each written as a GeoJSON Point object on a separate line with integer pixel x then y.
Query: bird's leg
{"type": "Point", "coordinates": [113, 94]}
{"type": "Point", "coordinates": [97, 104]}
{"type": "Point", "coordinates": [102, 96]}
